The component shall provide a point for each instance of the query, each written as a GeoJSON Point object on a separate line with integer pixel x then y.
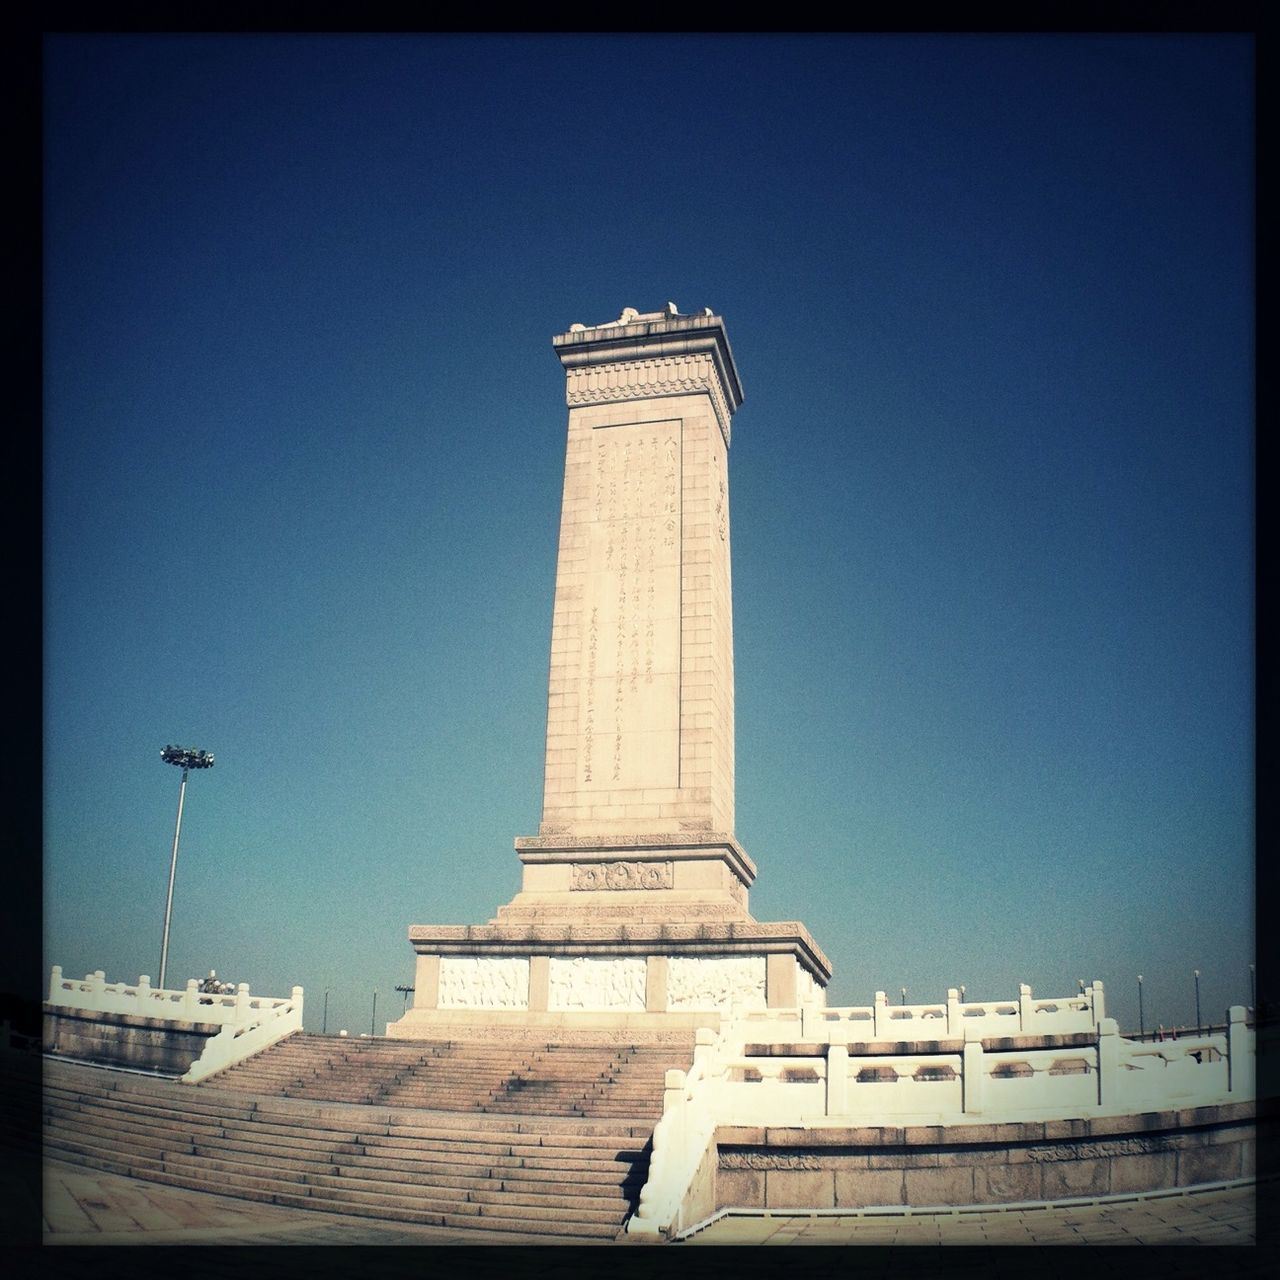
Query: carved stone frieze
{"type": "Point", "coordinates": [589, 876]}
{"type": "Point", "coordinates": [769, 1160]}
{"type": "Point", "coordinates": [1104, 1149]}
{"type": "Point", "coordinates": [647, 379]}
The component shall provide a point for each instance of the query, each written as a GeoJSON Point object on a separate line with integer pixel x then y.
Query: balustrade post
{"type": "Point", "coordinates": [811, 1026]}
{"type": "Point", "coordinates": [674, 1111]}
{"type": "Point", "coordinates": [837, 1079]}
{"type": "Point", "coordinates": [1239, 1077]}
{"type": "Point", "coordinates": [1097, 1002]}
{"type": "Point", "coordinates": [1026, 1018]}
{"type": "Point", "coordinates": [242, 1002]}
{"type": "Point", "coordinates": [191, 1001]}
{"type": "Point", "coordinates": [972, 1073]}
{"type": "Point", "coordinates": [1108, 1062]}
{"type": "Point", "coordinates": [880, 1014]}
{"type": "Point", "coordinates": [55, 984]}
{"type": "Point", "coordinates": [953, 1012]}
{"type": "Point", "coordinates": [704, 1039]}
{"type": "Point", "coordinates": [295, 997]}
{"type": "Point", "coordinates": [144, 994]}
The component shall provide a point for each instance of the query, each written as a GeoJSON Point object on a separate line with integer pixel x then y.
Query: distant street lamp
{"type": "Point", "coordinates": [1195, 973]}
{"type": "Point", "coordinates": [324, 1026]}
{"type": "Point", "coordinates": [185, 760]}
{"type": "Point", "coordinates": [904, 995]}
{"type": "Point", "coordinates": [374, 1016]}
{"type": "Point", "coordinates": [1142, 1026]}
{"type": "Point", "coordinates": [407, 992]}
{"type": "Point", "coordinates": [962, 993]}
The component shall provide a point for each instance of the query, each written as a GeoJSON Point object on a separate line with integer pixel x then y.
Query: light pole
{"type": "Point", "coordinates": [904, 995]}
{"type": "Point", "coordinates": [373, 1017]}
{"type": "Point", "coordinates": [185, 760]}
{"type": "Point", "coordinates": [324, 1026]}
{"type": "Point", "coordinates": [1142, 1026]}
{"type": "Point", "coordinates": [1195, 973]}
{"type": "Point", "coordinates": [408, 991]}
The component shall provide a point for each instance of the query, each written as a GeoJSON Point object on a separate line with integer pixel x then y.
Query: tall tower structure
{"type": "Point", "coordinates": [640, 712]}
{"type": "Point", "coordinates": [633, 904]}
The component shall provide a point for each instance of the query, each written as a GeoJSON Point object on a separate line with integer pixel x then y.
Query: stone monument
{"type": "Point", "coordinates": [633, 905]}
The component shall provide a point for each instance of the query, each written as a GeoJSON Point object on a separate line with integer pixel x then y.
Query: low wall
{"type": "Point", "coordinates": [125, 1040]}
{"type": "Point", "coordinates": [189, 1033]}
{"type": "Point", "coordinates": [956, 1165]}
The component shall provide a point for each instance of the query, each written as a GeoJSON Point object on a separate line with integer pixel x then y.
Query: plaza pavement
{"type": "Point", "coordinates": [86, 1207]}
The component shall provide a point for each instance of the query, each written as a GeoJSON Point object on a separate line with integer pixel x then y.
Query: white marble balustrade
{"type": "Point", "coordinates": [794, 1068]}
{"type": "Point", "coordinates": [249, 1023]}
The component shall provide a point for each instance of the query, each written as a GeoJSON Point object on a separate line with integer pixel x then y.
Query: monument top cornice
{"type": "Point", "coordinates": [636, 335]}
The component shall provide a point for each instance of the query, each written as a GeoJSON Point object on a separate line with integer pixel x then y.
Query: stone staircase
{"type": "Point", "coordinates": [546, 1140]}
{"type": "Point", "coordinates": [591, 1081]}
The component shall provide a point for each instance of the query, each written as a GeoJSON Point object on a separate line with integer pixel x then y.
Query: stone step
{"type": "Point", "coordinates": [614, 1178]}
{"type": "Point", "coordinates": [108, 1133]}
{"type": "Point", "coordinates": [197, 1107]}
{"type": "Point", "coordinates": [561, 1215]}
{"type": "Point", "coordinates": [412, 1137]}
{"type": "Point", "coordinates": [482, 1191]}
{"type": "Point", "coordinates": [293, 1150]}
{"type": "Point", "coordinates": [87, 1156]}
{"type": "Point", "coordinates": [201, 1129]}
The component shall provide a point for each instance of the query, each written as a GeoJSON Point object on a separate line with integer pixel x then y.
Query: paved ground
{"type": "Point", "coordinates": [82, 1206]}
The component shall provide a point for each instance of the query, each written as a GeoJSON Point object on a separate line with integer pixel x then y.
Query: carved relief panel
{"type": "Point", "coordinates": [716, 982]}
{"type": "Point", "coordinates": [622, 875]}
{"type": "Point", "coordinates": [583, 982]}
{"type": "Point", "coordinates": [484, 982]}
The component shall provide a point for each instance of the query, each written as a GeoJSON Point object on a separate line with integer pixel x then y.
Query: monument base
{"type": "Point", "coordinates": [640, 977]}
{"type": "Point", "coordinates": [638, 934]}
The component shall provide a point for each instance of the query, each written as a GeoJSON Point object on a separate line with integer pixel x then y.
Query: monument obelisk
{"type": "Point", "coordinates": [633, 903]}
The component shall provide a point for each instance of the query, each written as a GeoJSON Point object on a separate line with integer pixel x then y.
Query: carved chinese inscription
{"type": "Point", "coordinates": [629, 726]}
{"type": "Point", "coordinates": [622, 875]}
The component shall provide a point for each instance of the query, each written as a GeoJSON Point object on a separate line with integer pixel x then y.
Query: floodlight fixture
{"type": "Point", "coordinates": [185, 760]}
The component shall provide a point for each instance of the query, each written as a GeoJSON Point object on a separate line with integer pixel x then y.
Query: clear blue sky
{"type": "Point", "coordinates": [991, 488]}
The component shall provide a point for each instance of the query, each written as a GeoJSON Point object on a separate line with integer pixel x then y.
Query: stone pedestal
{"type": "Point", "coordinates": [633, 904]}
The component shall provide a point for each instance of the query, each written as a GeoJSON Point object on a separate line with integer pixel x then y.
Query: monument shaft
{"type": "Point", "coordinates": [640, 703]}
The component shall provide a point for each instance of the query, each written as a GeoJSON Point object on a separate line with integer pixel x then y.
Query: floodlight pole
{"type": "Point", "coordinates": [186, 760]}
{"type": "Point", "coordinates": [173, 870]}
{"type": "Point", "coordinates": [1142, 1025]}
